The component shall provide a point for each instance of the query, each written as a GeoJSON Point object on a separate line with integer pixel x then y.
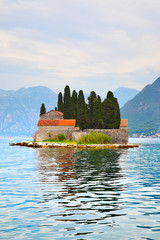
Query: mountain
{"type": "Point", "coordinates": [19, 110]}
{"type": "Point", "coordinates": [4, 92]}
{"type": "Point", "coordinates": [143, 111]}
{"type": "Point", "coordinates": [125, 94]}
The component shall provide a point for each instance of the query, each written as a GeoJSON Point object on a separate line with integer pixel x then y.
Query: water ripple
{"type": "Point", "coordinates": [80, 194]}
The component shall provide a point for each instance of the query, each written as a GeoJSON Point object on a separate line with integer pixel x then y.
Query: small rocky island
{"type": "Point", "coordinates": [73, 120]}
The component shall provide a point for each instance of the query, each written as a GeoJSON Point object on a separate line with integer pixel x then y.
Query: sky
{"type": "Point", "coordinates": [93, 45]}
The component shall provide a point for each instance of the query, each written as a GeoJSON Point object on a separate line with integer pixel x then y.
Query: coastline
{"type": "Point", "coordinates": [67, 145]}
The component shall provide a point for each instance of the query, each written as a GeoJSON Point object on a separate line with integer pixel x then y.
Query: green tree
{"type": "Point", "coordinates": [42, 109]}
{"type": "Point", "coordinates": [60, 102]}
{"type": "Point", "coordinates": [74, 101]}
{"type": "Point", "coordinates": [97, 113]}
{"type": "Point", "coordinates": [107, 113]}
{"type": "Point", "coordinates": [110, 95]}
{"type": "Point", "coordinates": [110, 112]}
{"type": "Point", "coordinates": [81, 111]}
{"type": "Point", "coordinates": [91, 100]}
{"type": "Point", "coordinates": [117, 114]}
{"type": "Point", "coordinates": [67, 110]}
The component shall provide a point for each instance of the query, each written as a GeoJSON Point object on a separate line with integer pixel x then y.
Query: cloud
{"type": "Point", "coordinates": [114, 42]}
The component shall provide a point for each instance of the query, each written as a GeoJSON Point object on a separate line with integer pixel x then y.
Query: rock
{"type": "Point", "coordinates": [64, 145]}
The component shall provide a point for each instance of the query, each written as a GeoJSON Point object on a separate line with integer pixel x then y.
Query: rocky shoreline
{"type": "Point", "coordinates": [67, 145]}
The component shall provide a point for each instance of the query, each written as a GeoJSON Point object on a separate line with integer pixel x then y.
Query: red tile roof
{"type": "Point", "coordinates": [53, 111]}
{"type": "Point", "coordinates": [56, 122]}
{"type": "Point", "coordinates": [124, 123]}
{"type": "Point", "coordinates": [58, 112]}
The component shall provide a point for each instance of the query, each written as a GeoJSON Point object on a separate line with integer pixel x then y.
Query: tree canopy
{"type": "Point", "coordinates": [74, 102]}
{"type": "Point", "coordinates": [42, 109]}
{"type": "Point", "coordinates": [60, 102]}
{"type": "Point", "coordinates": [81, 111]}
{"type": "Point", "coordinates": [67, 110]}
{"type": "Point", "coordinates": [95, 114]}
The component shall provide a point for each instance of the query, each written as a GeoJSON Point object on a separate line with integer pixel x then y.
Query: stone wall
{"type": "Point", "coordinates": [117, 135]}
{"type": "Point", "coordinates": [50, 132]}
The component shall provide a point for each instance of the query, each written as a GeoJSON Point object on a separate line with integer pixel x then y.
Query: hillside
{"type": "Point", "coordinates": [19, 110]}
{"type": "Point", "coordinates": [143, 111]}
{"type": "Point", "coordinates": [125, 94]}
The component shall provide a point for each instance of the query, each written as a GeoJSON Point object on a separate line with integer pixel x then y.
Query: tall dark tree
{"type": "Point", "coordinates": [60, 102]}
{"type": "Point", "coordinates": [97, 113]}
{"type": "Point", "coordinates": [107, 113]}
{"type": "Point", "coordinates": [91, 100]}
{"type": "Point", "coordinates": [110, 95]}
{"type": "Point", "coordinates": [42, 109]}
{"type": "Point", "coordinates": [110, 112]}
{"type": "Point", "coordinates": [81, 111]}
{"type": "Point", "coordinates": [67, 110]}
{"type": "Point", "coordinates": [74, 101]}
{"type": "Point", "coordinates": [117, 114]}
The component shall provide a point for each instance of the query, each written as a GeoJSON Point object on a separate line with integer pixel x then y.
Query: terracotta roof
{"type": "Point", "coordinates": [56, 122]}
{"type": "Point", "coordinates": [53, 111]}
{"type": "Point", "coordinates": [58, 112]}
{"type": "Point", "coordinates": [124, 123]}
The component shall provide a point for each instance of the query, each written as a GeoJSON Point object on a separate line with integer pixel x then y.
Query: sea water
{"type": "Point", "coordinates": [80, 194]}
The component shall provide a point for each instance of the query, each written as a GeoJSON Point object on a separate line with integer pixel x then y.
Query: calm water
{"type": "Point", "coordinates": [80, 194]}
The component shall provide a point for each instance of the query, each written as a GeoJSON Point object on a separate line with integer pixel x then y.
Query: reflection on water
{"type": "Point", "coordinates": [80, 194]}
{"type": "Point", "coordinates": [59, 162]}
{"type": "Point", "coordinates": [88, 183]}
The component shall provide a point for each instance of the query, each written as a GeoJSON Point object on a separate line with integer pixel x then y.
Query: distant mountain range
{"type": "Point", "coordinates": [124, 95]}
{"type": "Point", "coordinates": [19, 110]}
{"type": "Point", "coordinates": [143, 111]}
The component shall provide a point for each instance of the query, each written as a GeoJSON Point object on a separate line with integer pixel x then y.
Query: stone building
{"type": "Point", "coordinates": [52, 123]}
{"type": "Point", "coordinates": [52, 115]}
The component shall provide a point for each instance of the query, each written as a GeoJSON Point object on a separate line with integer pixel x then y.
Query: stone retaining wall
{"type": "Point", "coordinates": [119, 136]}
{"type": "Point", "coordinates": [50, 132]}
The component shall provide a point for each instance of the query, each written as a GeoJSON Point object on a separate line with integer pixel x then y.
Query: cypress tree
{"type": "Point", "coordinates": [117, 114]}
{"type": "Point", "coordinates": [60, 102]}
{"type": "Point", "coordinates": [42, 109]}
{"type": "Point", "coordinates": [107, 113]}
{"type": "Point", "coordinates": [81, 111]}
{"type": "Point", "coordinates": [111, 112]}
{"type": "Point", "coordinates": [97, 113]}
{"type": "Point", "coordinates": [67, 110]}
{"type": "Point", "coordinates": [74, 101]}
{"type": "Point", "coordinates": [91, 100]}
{"type": "Point", "coordinates": [110, 95]}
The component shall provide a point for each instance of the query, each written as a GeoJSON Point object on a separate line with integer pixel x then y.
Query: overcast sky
{"type": "Point", "coordinates": [95, 45]}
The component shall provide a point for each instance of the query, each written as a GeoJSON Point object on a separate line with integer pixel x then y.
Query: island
{"type": "Point", "coordinates": [77, 124]}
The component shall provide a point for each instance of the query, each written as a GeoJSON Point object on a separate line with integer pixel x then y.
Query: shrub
{"type": "Point", "coordinates": [61, 137]}
{"type": "Point", "coordinates": [81, 139]}
{"type": "Point", "coordinates": [94, 138]}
